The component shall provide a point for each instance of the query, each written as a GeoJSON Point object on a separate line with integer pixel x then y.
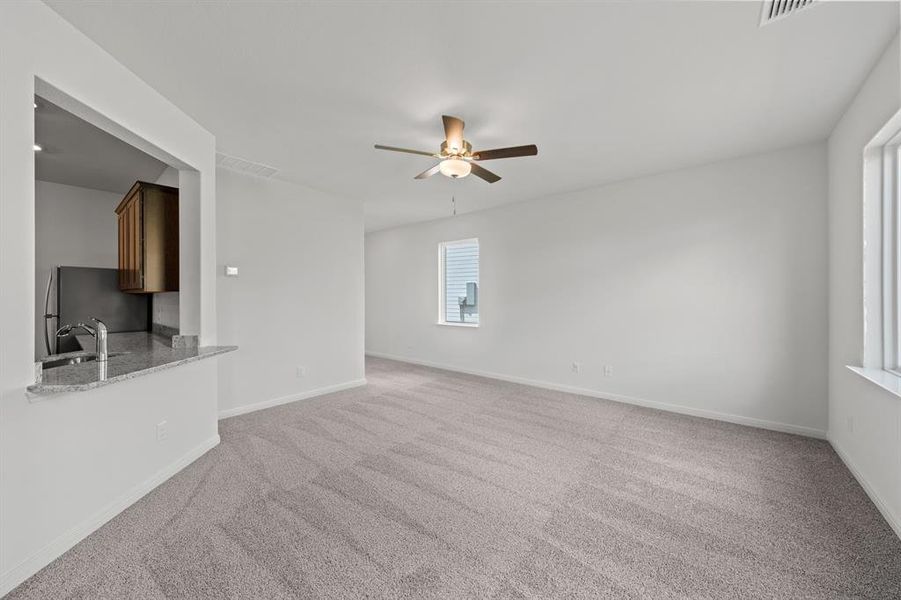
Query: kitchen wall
{"type": "Point", "coordinates": [296, 308]}
{"type": "Point", "coordinates": [75, 227]}
{"type": "Point", "coordinates": [70, 462]}
{"type": "Point", "coordinates": [166, 305]}
{"type": "Point", "coordinates": [165, 309]}
{"type": "Point", "coordinates": [703, 290]}
{"type": "Point", "coordinates": [864, 420]}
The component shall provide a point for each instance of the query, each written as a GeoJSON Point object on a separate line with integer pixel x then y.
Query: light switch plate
{"type": "Point", "coordinates": [231, 271]}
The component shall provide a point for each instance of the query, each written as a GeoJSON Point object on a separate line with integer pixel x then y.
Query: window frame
{"type": "Point", "coordinates": [891, 255]}
{"type": "Point", "coordinates": [880, 357]}
{"type": "Point", "coordinates": [442, 301]}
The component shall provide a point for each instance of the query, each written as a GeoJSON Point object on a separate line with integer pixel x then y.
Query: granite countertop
{"type": "Point", "coordinates": [136, 354]}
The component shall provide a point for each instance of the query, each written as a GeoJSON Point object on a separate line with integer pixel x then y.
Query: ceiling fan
{"type": "Point", "coordinates": [456, 155]}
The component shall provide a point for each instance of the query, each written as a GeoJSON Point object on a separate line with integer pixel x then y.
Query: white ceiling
{"type": "Point", "coordinates": [77, 153]}
{"type": "Point", "coordinates": [606, 90]}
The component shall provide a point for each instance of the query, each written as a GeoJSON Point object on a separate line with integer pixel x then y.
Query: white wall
{"type": "Point", "coordinates": [76, 227]}
{"type": "Point", "coordinates": [298, 299]}
{"type": "Point", "coordinates": [69, 463]}
{"type": "Point", "coordinates": [73, 461]}
{"type": "Point", "coordinates": [864, 420]}
{"type": "Point", "coordinates": [704, 289]}
{"type": "Point", "coordinates": [169, 177]}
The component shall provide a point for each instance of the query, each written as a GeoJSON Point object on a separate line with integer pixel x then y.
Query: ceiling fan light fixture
{"type": "Point", "coordinates": [455, 168]}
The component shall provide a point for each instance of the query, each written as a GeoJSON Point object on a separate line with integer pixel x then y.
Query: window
{"type": "Point", "coordinates": [458, 302]}
{"type": "Point", "coordinates": [881, 356]}
{"type": "Point", "coordinates": [891, 257]}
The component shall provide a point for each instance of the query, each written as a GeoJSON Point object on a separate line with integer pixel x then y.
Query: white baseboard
{"type": "Point", "coordinates": [893, 520]}
{"type": "Point", "coordinates": [674, 408]}
{"type": "Point", "coordinates": [248, 408]}
{"type": "Point", "coordinates": [56, 548]}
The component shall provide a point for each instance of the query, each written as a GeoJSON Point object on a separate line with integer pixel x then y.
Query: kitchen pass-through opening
{"type": "Point", "coordinates": [109, 230]}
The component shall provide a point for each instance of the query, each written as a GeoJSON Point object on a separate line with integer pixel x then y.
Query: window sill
{"type": "Point", "coordinates": [884, 379]}
{"type": "Point", "coordinates": [469, 325]}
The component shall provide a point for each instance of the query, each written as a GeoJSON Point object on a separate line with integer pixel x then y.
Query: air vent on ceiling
{"type": "Point", "coordinates": [233, 163]}
{"type": "Point", "coordinates": [773, 10]}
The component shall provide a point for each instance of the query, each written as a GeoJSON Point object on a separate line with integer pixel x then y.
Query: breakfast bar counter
{"type": "Point", "coordinates": [130, 355]}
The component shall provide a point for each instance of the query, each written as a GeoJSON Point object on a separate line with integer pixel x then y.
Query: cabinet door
{"type": "Point", "coordinates": [123, 283]}
{"type": "Point", "coordinates": [136, 239]}
{"type": "Point", "coordinates": [131, 260]}
{"type": "Point", "coordinates": [129, 247]}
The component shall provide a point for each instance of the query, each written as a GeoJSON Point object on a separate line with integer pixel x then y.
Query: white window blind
{"type": "Point", "coordinates": [459, 300]}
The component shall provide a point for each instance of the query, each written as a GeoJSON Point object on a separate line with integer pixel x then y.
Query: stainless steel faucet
{"type": "Point", "coordinates": [99, 332]}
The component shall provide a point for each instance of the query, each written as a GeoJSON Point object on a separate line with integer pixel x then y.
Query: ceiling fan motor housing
{"type": "Point", "coordinates": [465, 151]}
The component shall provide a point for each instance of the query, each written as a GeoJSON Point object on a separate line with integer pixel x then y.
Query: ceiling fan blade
{"type": "Point", "coordinates": [484, 173]}
{"type": "Point", "coordinates": [429, 172]}
{"type": "Point", "coordinates": [407, 150]}
{"type": "Point", "coordinates": [513, 152]}
{"type": "Point", "coordinates": [453, 132]}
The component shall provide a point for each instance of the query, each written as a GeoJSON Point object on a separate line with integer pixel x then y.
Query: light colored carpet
{"type": "Point", "coordinates": [429, 484]}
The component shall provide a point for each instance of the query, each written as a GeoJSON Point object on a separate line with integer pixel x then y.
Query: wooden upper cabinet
{"type": "Point", "coordinates": [148, 239]}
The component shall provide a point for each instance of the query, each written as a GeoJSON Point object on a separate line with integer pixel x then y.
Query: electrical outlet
{"type": "Point", "coordinates": [608, 371]}
{"type": "Point", "coordinates": [301, 372]}
{"type": "Point", "coordinates": [576, 367]}
{"type": "Point", "coordinates": [162, 431]}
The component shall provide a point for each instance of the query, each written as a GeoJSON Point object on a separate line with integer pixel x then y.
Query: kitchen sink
{"type": "Point", "coordinates": [73, 360]}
